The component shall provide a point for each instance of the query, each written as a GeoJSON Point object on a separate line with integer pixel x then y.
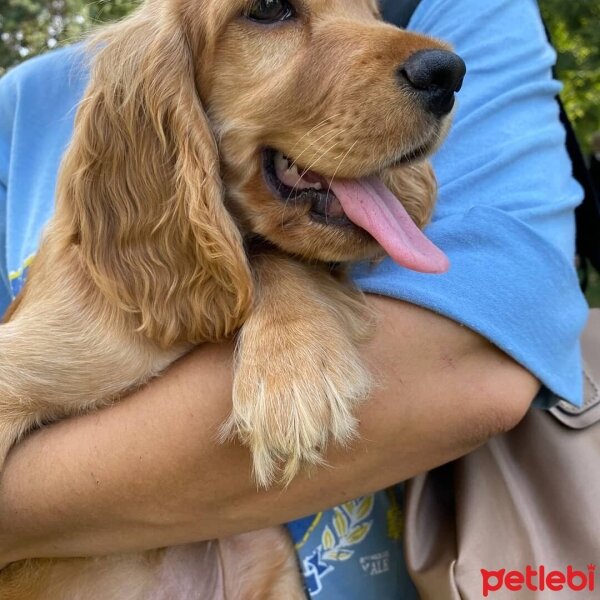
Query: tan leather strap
{"type": "Point", "coordinates": [589, 413]}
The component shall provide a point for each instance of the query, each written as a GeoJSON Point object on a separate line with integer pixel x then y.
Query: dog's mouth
{"type": "Point", "coordinates": [291, 183]}
{"type": "Point", "coordinates": [365, 203]}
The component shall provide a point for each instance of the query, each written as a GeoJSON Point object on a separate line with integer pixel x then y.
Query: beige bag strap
{"type": "Point", "coordinates": [589, 413]}
{"type": "Point", "coordinates": [528, 497]}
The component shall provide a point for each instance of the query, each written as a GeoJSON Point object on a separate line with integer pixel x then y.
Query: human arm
{"type": "Point", "coordinates": [435, 421]}
{"type": "Point", "coordinates": [148, 472]}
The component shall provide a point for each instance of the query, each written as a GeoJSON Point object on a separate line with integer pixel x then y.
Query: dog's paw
{"type": "Point", "coordinates": [292, 395]}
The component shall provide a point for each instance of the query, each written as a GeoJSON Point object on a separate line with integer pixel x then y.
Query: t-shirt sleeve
{"type": "Point", "coordinates": [505, 209]}
{"type": "Point", "coordinates": [38, 101]}
{"type": "Point", "coordinates": [6, 115]}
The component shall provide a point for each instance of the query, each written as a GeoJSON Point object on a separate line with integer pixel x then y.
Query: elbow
{"type": "Point", "coordinates": [499, 401]}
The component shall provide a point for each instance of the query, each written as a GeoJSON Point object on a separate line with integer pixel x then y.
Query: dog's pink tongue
{"type": "Point", "coordinates": [369, 204]}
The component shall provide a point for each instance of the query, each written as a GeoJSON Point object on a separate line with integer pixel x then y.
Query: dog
{"type": "Point", "coordinates": [229, 161]}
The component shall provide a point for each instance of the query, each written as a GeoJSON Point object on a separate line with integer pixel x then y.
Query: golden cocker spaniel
{"type": "Point", "coordinates": [229, 159]}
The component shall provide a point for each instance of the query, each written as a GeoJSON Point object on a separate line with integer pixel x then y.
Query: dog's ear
{"type": "Point", "coordinates": [142, 190]}
{"type": "Point", "coordinates": [416, 186]}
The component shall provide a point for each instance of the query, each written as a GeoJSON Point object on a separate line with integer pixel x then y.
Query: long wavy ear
{"type": "Point", "coordinates": [416, 186]}
{"type": "Point", "coordinates": [142, 190]}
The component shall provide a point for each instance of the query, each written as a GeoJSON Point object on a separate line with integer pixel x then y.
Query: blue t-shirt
{"type": "Point", "coordinates": [504, 218]}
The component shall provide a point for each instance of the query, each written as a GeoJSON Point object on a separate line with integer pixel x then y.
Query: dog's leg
{"type": "Point", "coordinates": [298, 375]}
{"type": "Point", "coordinates": [50, 370]}
{"type": "Point", "coordinates": [260, 565]}
{"type": "Point", "coordinates": [62, 354]}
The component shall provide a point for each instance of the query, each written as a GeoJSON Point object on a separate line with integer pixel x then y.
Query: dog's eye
{"type": "Point", "coordinates": [270, 11]}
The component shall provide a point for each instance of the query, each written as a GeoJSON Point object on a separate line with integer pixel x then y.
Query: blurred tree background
{"type": "Point", "coordinates": [575, 29]}
{"type": "Point", "coordinates": [30, 27]}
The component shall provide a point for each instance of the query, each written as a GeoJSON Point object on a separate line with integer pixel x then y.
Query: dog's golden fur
{"type": "Point", "coordinates": [150, 250]}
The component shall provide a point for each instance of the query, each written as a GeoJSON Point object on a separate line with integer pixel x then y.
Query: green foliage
{"type": "Point", "coordinates": [575, 30]}
{"type": "Point", "coordinates": [30, 27]}
{"type": "Point", "coordinates": [593, 291]}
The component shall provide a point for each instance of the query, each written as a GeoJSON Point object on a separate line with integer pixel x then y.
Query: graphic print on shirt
{"type": "Point", "coordinates": [348, 527]}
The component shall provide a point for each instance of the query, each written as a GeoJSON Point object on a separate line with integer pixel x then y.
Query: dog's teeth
{"type": "Point", "coordinates": [290, 175]}
{"type": "Point", "coordinates": [281, 162]}
{"type": "Point", "coordinates": [293, 171]}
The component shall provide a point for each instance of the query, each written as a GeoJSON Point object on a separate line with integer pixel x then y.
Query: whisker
{"type": "Point", "coordinates": [306, 171]}
{"type": "Point", "coordinates": [336, 170]}
{"type": "Point", "coordinates": [300, 177]}
{"type": "Point", "coordinates": [327, 133]}
{"type": "Point", "coordinates": [321, 124]}
{"type": "Point", "coordinates": [323, 153]}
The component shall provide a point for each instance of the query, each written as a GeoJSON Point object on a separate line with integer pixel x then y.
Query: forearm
{"type": "Point", "coordinates": [148, 472]}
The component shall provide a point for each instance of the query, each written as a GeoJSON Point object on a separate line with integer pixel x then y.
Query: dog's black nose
{"type": "Point", "coordinates": [437, 75]}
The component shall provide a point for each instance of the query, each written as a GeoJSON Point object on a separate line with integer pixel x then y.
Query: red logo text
{"type": "Point", "coordinates": [539, 579]}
